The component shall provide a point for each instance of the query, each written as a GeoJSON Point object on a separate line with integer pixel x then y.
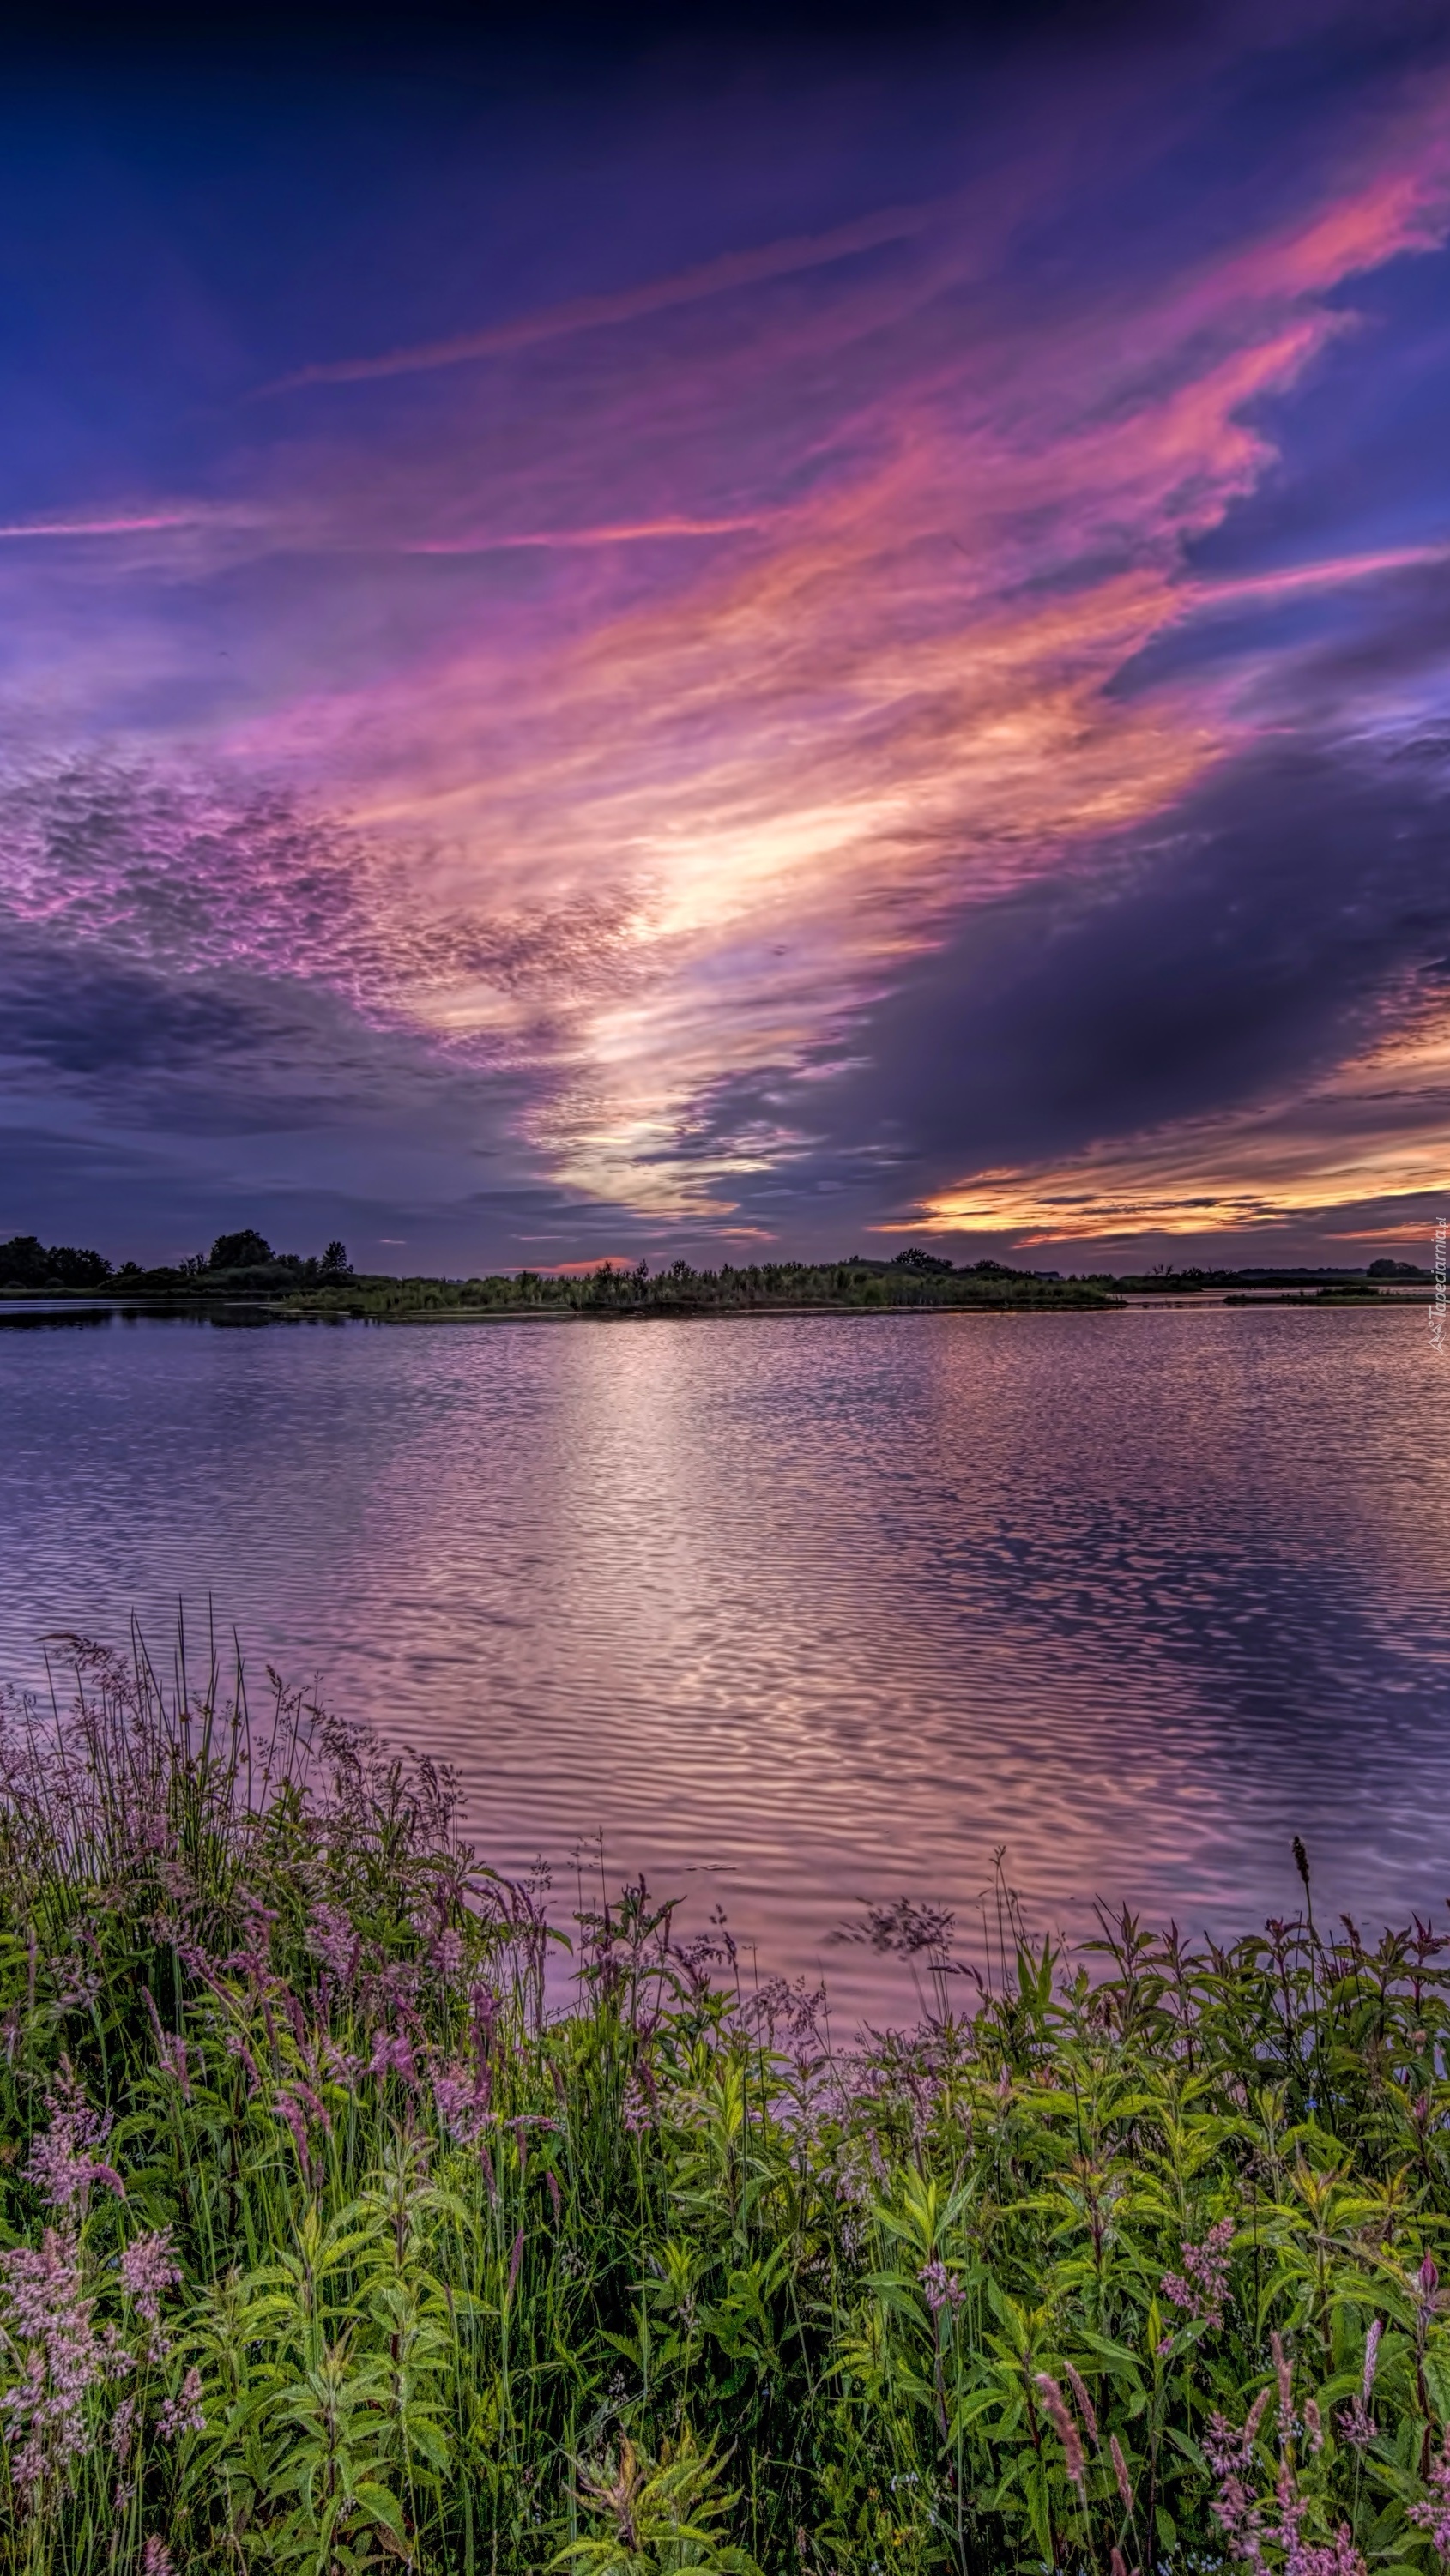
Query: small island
{"type": "Point", "coordinates": [244, 1266]}
{"type": "Point", "coordinates": [243, 1269]}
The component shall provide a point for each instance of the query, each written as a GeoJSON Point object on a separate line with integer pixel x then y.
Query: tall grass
{"type": "Point", "coordinates": [335, 2240]}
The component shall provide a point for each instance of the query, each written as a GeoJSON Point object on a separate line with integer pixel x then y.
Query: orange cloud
{"type": "Point", "coordinates": [890, 697]}
{"type": "Point", "coordinates": [1376, 1130]}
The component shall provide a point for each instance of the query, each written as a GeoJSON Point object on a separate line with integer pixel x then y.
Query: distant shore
{"type": "Point", "coordinates": [388, 1310]}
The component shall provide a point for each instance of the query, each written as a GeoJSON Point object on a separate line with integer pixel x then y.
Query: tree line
{"type": "Point", "coordinates": [31, 1267]}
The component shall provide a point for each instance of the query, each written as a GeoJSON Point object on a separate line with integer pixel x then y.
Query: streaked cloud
{"type": "Point", "coordinates": [727, 275]}
{"type": "Point", "coordinates": [630, 727]}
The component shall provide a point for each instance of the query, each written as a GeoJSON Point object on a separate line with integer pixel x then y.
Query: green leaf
{"type": "Point", "coordinates": [380, 2506]}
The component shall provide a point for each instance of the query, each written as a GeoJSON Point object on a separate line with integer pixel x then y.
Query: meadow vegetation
{"type": "Point", "coordinates": [244, 1266]}
{"type": "Point", "coordinates": [357, 2212]}
{"type": "Point", "coordinates": [910, 1281]}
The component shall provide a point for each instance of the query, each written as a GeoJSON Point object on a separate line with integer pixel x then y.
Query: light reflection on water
{"type": "Point", "coordinates": [804, 1612]}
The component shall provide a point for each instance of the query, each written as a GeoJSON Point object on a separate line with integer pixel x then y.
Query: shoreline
{"type": "Point", "coordinates": [273, 1310]}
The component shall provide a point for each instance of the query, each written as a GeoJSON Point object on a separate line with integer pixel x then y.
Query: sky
{"type": "Point", "coordinates": [753, 634]}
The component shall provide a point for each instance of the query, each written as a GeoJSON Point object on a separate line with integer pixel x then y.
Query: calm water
{"type": "Point", "coordinates": [804, 1612]}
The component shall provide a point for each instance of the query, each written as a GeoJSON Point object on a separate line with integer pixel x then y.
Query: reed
{"type": "Point", "coordinates": [358, 2214]}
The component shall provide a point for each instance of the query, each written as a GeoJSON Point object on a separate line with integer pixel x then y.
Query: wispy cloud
{"type": "Point", "coordinates": [1332, 573]}
{"type": "Point", "coordinates": [723, 276]}
{"type": "Point", "coordinates": [184, 515]}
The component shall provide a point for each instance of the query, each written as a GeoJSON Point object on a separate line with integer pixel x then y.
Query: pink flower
{"type": "Point", "coordinates": [170, 2048]}
{"type": "Point", "coordinates": [332, 1939]}
{"type": "Point", "coordinates": [1084, 2402]}
{"type": "Point", "coordinates": [1357, 2425]}
{"type": "Point", "coordinates": [1433, 2511]}
{"type": "Point", "coordinates": [123, 2426]}
{"type": "Point", "coordinates": [461, 2099]}
{"type": "Point", "coordinates": [1201, 2295]}
{"type": "Point", "coordinates": [637, 2109]}
{"type": "Point", "coordinates": [1371, 2357]}
{"type": "Point", "coordinates": [148, 2267]}
{"type": "Point", "coordinates": [1055, 2407]}
{"type": "Point", "coordinates": [59, 2165]}
{"type": "Point", "coordinates": [943, 2289]}
{"type": "Point", "coordinates": [65, 2355]}
{"type": "Point", "coordinates": [393, 2054]}
{"type": "Point", "coordinates": [182, 2414]}
{"type": "Point", "coordinates": [1284, 2374]}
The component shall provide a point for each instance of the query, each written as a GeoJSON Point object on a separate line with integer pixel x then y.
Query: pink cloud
{"type": "Point", "coordinates": [736, 269]}
{"type": "Point", "coordinates": [130, 524]}
{"type": "Point", "coordinates": [641, 815]}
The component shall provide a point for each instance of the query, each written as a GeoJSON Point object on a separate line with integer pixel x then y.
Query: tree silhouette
{"type": "Point", "coordinates": [240, 1251]}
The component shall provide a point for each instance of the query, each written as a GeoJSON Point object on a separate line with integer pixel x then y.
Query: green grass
{"type": "Point", "coordinates": [357, 2218]}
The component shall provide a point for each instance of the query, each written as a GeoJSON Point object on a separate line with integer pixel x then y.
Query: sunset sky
{"type": "Point", "coordinates": [768, 643]}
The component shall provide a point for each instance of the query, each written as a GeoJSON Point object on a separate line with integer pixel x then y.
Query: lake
{"type": "Point", "coordinates": [799, 1613]}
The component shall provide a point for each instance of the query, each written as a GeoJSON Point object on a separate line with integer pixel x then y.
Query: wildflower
{"type": "Point", "coordinates": [637, 2105]}
{"type": "Point", "coordinates": [156, 2559]}
{"type": "Point", "coordinates": [1433, 2511]}
{"type": "Point", "coordinates": [1371, 2357]}
{"type": "Point", "coordinates": [1226, 2449]}
{"type": "Point", "coordinates": [1356, 2422]}
{"type": "Point", "coordinates": [1084, 2403]}
{"type": "Point", "coordinates": [339, 2065]}
{"type": "Point", "coordinates": [332, 1938]}
{"type": "Point", "coordinates": [1055, 2407]}
{"type": "Point", "coordinates": [237, 2047]}
{"type": "Point", "coordinates": [483, 2013]}
{"type": "Point", "coordinates": [148, 2266]}
{"type": "Point", "coordinates": [60, 2165]}
{"type": "Point", "coordinates": [1237, 2513]}
{"type": "Point", "coordinates": [393, 2054]}
{"type": "Point", "coordinates": [1284, 2374]}
{"type": "Point", "coordinates": [170, 2048]}
{"type": "Point", "coordinates": [123, 2427]}
{"type": "Point", "coordinates": [65, 2357]}
{"type": "Point", "coordinates": [461, 2098]}
{"type": "Point", "coordinates": [943, 2289]}
{"type": "Point", "coordinates": [288, 2107]}
{"type": "Point", "coordinates": [253, 1955]}
{"type": "Point", "coordinates": [788, 2017]}
{"type": "Point", "coordinates": [1357, 2425]}
{"type": "Point", "coordinates": [1337, 2557]}
{"type": "Point", "coordinates": [1200, 2296]}
{"type": "Point", "coordinates": [1120, 2472]}
{"type": "Point", "coordinates": [182, 2414]}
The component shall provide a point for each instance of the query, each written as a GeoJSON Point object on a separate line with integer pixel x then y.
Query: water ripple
{"type": "Point", "coordinates": [804, 1612]}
